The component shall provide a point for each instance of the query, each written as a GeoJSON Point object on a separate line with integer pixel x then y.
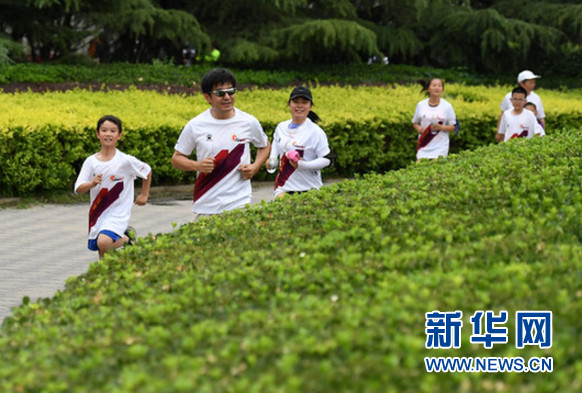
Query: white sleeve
{"type": "Point", "coordinates": [416, 117]}
{"type": "Point", "coordinates": [140, 168]}
{"type": "Point", "coordinates": [502, 125]}
{"type": "Point", "coordinates": [506, 103]}
{"type": "Point", "coordinates": [186, 142]}
{"type": "Point", "coordinates": [540, 110]}
{"type": "Point", "coordinates": [322, 148]}
{"type": "Point", "coordinates": [534, 123]}
{"type": "Point", "coordinates": [259, 138]}
{"type": "Point", "coordinates": [84, 175]}
{"type": "Point", "coordinates": [275, 145]}
{"type": "Point", "coordinates": [318, 163]}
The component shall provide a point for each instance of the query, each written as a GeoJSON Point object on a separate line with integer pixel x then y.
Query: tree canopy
{"type": "Point", "coordinates": [487, 36]}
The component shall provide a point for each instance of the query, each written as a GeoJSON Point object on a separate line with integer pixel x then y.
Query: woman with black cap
{"type": "Point", "coordinates": [301, 145]}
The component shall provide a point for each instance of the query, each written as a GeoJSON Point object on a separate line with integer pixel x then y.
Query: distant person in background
{"type": "Point", "coordinates": [434, 119]}
{"type": "Point", "coordinates": [301, 145]}
{"type": "Point", "coordinates": [527, 80]}
{"type": "Point", "coordinates": [221, 137]}
{"type": "Point", "coordinates": [188, 55]}
{"type": "Point", "coordinates": [516, 122]}
{"type": "Point", "coordinates": [530, 106]}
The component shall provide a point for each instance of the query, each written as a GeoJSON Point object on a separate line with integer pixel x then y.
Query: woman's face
{"type": "Point", "coordinates": [299, 107]}
{"type": "Point", "coordinates": [435, 88]}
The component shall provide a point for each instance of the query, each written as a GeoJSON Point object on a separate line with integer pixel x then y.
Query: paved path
{"type": "Point", "coordinates": [40, 247]}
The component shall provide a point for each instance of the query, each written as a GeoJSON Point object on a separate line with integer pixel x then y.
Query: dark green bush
{"type": "Point", "coordinates": [327, 291]}
{"type": "Point", "coordinates": [162, 73]}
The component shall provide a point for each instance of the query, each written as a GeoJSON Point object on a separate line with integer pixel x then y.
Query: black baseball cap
{"type": "Point", "coordinates": [301, 91]}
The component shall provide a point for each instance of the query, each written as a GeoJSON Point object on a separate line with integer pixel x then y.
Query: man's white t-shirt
{"type": "Point", "coordinates": [426, 115]}
{"type": "Point", "coordinates": [517, 126]}
{"type": "Point", "coordinates": [112, 200]}
{"type": "Point", "coordinates": [310, 141]}
{"type": "Point", "coordinates": [228, 141]}
{"type": "Point", "coordinates": [532, 97]}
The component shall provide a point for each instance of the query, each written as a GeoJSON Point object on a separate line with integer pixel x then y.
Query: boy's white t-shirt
{"type": "Point", "coordinates": [228, 141]}
{"type": "Point", "coordinates": [517, 126]}
{"type": "Point", "coordinates": [532, 97]}
{"type": "Point", "coordinates": [112, 200]}
{"type": "Point", "coordinates": [426, 115]}
{"type": "Point", "coordinates": [310, 141]}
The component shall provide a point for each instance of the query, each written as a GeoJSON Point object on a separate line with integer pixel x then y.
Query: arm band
{"type": "Point", "coordinates": [318, 163]}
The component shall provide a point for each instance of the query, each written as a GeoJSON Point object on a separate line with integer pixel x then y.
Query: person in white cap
{"type": "Point", "coordinates": [527, 80]}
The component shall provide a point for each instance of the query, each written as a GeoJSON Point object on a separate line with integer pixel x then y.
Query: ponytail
{"type": "Point", "coordinates": [313, 117]}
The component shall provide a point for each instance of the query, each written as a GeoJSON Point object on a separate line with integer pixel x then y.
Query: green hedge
{"type": "Point", "coordinates": [161, 73]}
{"type": "Point", "coordinates": [327, 291]}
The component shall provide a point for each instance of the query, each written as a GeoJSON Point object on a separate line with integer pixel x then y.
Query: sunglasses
{"type": "Point", "coordinates": [223, 92]}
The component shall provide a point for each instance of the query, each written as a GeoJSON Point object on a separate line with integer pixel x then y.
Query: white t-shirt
{"type": "Point", "coordinates": [517, 126]}
{"type": "Point", "coordinates": [310, 141]}
{"type": "Point", "coordinates": [227, 140]}
{"type": "Point", "coordinates": [112, 200]}
{"type": "Point", "coordinates": [426, 115]}
{"type": "Point", "coordinates": [532, 97]}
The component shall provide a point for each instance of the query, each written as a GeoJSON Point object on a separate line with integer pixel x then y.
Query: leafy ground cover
{"type": "Point", "coordinates": [327, 291]}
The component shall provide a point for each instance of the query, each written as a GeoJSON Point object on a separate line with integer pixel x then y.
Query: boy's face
{"type": "Point", "coordinates": [518, 101]}
{"type": "Point", "coordinates": [532, 109]}
{"type": "Point", "coordinates": [108, 134]}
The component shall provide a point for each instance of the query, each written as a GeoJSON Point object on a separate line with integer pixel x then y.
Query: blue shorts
{"type": "Point", "coordinates": [93, 242]}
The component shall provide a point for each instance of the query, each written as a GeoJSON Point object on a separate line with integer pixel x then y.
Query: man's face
{"type": "Point", "coordinates": [221, 105]}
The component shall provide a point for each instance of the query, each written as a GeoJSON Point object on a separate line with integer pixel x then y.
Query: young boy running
{"type": "Point", "coordinates": [109, 175]}
{"type": "Point", "coordinates": [516, 122]}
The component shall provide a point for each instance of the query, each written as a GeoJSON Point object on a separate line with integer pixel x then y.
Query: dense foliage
{"type": "Point", "coordinates": [494, 36]}
{"type": "Point", "coordinates": [327, 291]}
{"type": "Point", "coordinates": [44, 138]}
{"type": "Point", "coordinates": [164, 74]}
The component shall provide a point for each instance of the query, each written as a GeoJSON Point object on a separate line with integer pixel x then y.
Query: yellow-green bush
{"type": "Point", "coordinates": [45, 137]}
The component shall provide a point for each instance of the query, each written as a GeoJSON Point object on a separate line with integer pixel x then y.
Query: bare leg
{"type": "Point", "coordinates": [105, 243]}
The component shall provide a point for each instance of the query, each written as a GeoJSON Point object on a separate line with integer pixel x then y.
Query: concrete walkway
{"type": "Point", "coordinates": [42, 246]}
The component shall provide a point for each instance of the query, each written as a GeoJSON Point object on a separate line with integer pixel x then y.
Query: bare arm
{"type": "Point", "coordinates": [249, 170]}
{"type": "Point", "coordinates": [441, 127]}
{"type": "Point", "coordinates": [142, 198]}
{"type": "Point", "coordinates": [418, 128]}
{"type": "Point", "coordinates": [183, 163]}
{"type": "Point", "coordinates": [85, 187]}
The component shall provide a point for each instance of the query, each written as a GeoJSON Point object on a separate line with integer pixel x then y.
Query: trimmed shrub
{"type": "Point", "coordinates": [368, 127]}
{"type": "Point", "coordinates": [327, 290]}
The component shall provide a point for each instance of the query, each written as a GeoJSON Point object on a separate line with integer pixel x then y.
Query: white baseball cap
{"type": "Point", "coordinates": [525, 75]}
